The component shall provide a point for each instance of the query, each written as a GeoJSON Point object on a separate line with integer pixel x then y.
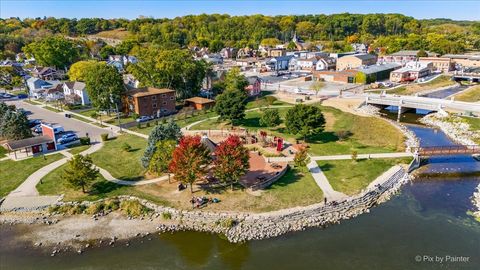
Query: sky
{"type": "Point", "coordinates": [130, 9]}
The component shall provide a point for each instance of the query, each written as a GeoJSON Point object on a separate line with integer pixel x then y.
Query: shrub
{"type": "Point", "coordinates": [167, 215]}
{"type": "Point", "coordinates": [95, 208]}
{"type": "Point", "coordinates": [228, 223]}
{"type": "Point", "coordinates": [270, 100]}
{"type": "Point", "coordinates": [139, 125]}
{"type": "Point", "coordinates": [104, 137]}
{"type": "Point", "coordinates": [85, 140]}
{"type": "Point", "coordinates": [134, 208]}
{"type": "Point", "coordinates": [164, 120]}
{"type": "Point", "coordinates": [112, 204]}
{"type": "Point", "coordinates": [135, 115]}
{"type": "Point", "coordinates": [148, 124]}
{"type": "Point", "coordinates": [126, 147]}
{"type": "Point", "coordinates": [354, 155]}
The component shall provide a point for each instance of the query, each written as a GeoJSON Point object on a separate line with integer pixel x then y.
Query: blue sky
{"type": "Point", "coordinates": [460, 10]}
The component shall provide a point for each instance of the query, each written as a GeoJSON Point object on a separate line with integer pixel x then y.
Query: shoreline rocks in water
{"type": "Point", "coordinates": [457, 130]}
{"type": "Point", "coordinates": [75, 230]}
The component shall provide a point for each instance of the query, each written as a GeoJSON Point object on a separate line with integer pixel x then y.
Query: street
{"type": "Point", "coordinates": [69, 124]}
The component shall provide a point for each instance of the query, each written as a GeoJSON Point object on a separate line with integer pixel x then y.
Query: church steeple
{"type": "Point", "coordinates": [295, 39]}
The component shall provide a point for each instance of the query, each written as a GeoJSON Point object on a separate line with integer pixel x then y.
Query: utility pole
{"type": "Point", "coordinates": [118, 117]}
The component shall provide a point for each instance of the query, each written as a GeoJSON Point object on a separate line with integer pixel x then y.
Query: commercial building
{"type": "Point", "coordinates": [443, 64]}
{"type": "Point", "coordinates": [377, 72]}
{"type": "Point", "coordinates": [464, 60]}
{"type": "Point", "coordinates": [411, 71]}
{"type": "Point", "coordinates": [149, 101]}
{"type": "Point", "coordinates": [355, 61]}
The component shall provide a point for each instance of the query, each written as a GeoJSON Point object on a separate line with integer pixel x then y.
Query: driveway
{"type": "Point", "coordinates": [69, 124]}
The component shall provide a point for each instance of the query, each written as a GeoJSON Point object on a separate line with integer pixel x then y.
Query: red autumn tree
{"type": "Point", "coordinates": [189, 160]}
{"type": "Point", "coordinates": [231, 160]}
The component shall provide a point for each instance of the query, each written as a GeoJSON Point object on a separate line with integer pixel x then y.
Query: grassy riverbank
{"type": "Point", "coordinates": [472, 94]}
{"type": "Point", "coordinates": [13, 173]}
{"type": "Point", "coordinates": [344, 132]}
{"type": "Point", "coordinates": [359, 174]}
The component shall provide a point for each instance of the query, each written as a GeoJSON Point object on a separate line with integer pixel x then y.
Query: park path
{"type": "Point", "coordinates": [328, 192]}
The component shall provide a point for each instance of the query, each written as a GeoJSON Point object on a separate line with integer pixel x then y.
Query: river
{"type": "Point", "coordinates": [426, 222]}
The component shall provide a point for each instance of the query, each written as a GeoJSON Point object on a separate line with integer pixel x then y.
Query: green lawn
{"type": "Point", "coordinates": [260, 101]}
{"type": "Point", "coordinates": [367, 134]}
{"type": "Point", "coordinates": [78, 149]}
{"type": "Point", "coordinates": [13, 173]}
{"type": "Point", "coordinates": [358, 175]}
{"type": "Point", "coordinates": [3, 151]}
{"type": "Point", "coordinates": [121, 164]}
{"type": "Point", "coordinates": [81, 118]}
{"type": "Point", "coordinates": [470, 95]}
{"type": "Point", "coordinates": [53, 184]}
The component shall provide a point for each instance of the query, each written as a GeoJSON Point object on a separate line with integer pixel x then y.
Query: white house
{"type": "Point", "coordinates": [75, 92]}
{"type": "Point", "coordinates": [37, 87]}
{"type": "Point", "coordinates": [54, 93]}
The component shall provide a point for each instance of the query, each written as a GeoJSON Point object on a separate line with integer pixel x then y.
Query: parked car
{"type": "Point", "coordinates": [67, 138]}
{"type": "Point", "coordinates": [38, 129]}
{"type": "Point", "coordinates": [34, 122]}
{"type": "Point", "coordinates": [143, 119]}
{"type": "Point", "coordinates": [21, 96]}
{"type": "Point", "coordinates": [58, 129]}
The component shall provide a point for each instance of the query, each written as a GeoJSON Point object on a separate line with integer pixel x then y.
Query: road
{"type": "Point", "coordinates": [69, 124]}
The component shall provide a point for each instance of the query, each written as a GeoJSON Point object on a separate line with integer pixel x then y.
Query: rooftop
{"type": "Point", "coordinates": [76, 85]}
{"type": "Point", "coordinates": [200, 100]}
{"type": "Point", "coordinates": [378, 68]}
{"type": "Point", "coordinates": [148, 91]}
{"type": "Point", "coordinates": [20, 144]}
{"type": "Point", "coordinates": [411, 53]}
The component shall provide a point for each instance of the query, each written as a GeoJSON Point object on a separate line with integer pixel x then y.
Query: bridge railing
{"type": "Point", "coordinates": [447, 150]}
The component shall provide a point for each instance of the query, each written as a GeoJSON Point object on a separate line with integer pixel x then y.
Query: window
{"type": "Point", "coordinates": [164, 95]}
{"type": "Point", "coordinates": [154, 97]}
{"type": "Point", "coordinates": [164, 103]}
{"type": "Point", "coordinates": [172, 98]}
{"type": "Point", "coordinates": [154, 105]}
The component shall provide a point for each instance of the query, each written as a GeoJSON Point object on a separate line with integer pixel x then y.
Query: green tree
{"type": "Point", "coordinates": [169, 131]}
{"type": "Point", "coordinates": [422, 53]}
{"type": "Point", "coordinates": [270, 118]}
{"type": "Point", "coordinates": [79, 70]}
{"type": "Point", "coordinates": [13, 124]}
{"type": "Point", "coordinates": [104, 87]}
{"type": "Point", "coordinates": [317, 86]}
{"type": "Point", "coordinates": [301, 158]}
{"type": "Point", "coordinates": [305, 29]}
{"type": "Point", "coordinates": [174, 69]}
{"type": "Point", "coordinates": [361, 77]}
{"type": "Point", "coordinates": [53, 51]}
{"type": "Point", "coordinates": [162, 156]}
{"type": "Point", "coordinates": [80, 172]}
{"type": "Point", "coordinates": [230, 105]}
{"type": "Point", "coordinates": [106, 51]}
{"type": "Point", "coordinates": [234, 80]}
{"type": "Point", "coordinates": [305, 120]}
{"type": "Point", "coordinates": [270, 42]}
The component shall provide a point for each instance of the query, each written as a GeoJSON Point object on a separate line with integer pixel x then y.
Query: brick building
{"type": "Point", "coordinates": [149, 101]}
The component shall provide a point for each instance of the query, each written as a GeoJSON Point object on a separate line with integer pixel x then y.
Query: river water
{"type": "Point", "coordinates": [425, 223]}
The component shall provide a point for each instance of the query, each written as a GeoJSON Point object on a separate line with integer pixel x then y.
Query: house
{"type": "Point", "coordinates": [228, 53]}
{"type": "Point", "coordinates": [47, 73]}
{"type": "Point", "coordinates": [275, 52]}
{"type": "Point", "coordinates": [76, 93]}
{"type": "Point", "coordinates": [326, 63]}
{"type": "Point", "coordinates": [403, 56]}
{"type": "Point", "coordinates": [149, 101]}
{"type": "Point", "coordinates": [377, 72]}
{"type": "Point", "coordinates": [130, 81]}
{"type": "Point", "coordinates": [359, 47]}
{"type": "Point", "coordinates": [38, 86]}
{"type": "Point", "coordinates": [464, 60]}
{"type": "Point", "coordinates": [124, 59]}
{"type": "Point", "coordinates": [116, 64]}
{"type": "Point", "coordinates": [214, 58]}
{"type": "Point", "coordinates": [254, 86]}
{"type": "Point", "coordinates": [279, 63]}
{"type": "Point", "coordinates": [355, 61]}
{"type": "Point", "coordinates": [54, 93]}
{"type": "Point", "coordinates": [199, 103]}
{"type": "Point", "coordinates": [443, 64]}
{"type": "Point", "coordinates": [411, 71]}
{"type": "Point", "coordinates": [306, 64]}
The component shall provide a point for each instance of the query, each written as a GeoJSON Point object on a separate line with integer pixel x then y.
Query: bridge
{"type": "Point", "coordinates": [447, 150]}
{"type": "Point", "coordinates": [424, 103]}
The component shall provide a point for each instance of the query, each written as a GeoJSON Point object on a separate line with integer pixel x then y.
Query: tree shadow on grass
{"type": "Point", "coordinates": [290, 177]}
{"type": "Point", "coordinates": [103, 187]}
{"type": "Point", "coordinates": [326, 167]}
{"type": "Point", "coordinates": [253, 122]}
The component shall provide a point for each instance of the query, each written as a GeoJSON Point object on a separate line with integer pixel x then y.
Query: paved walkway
{"type": "Point", "coordinates": [322, 182]}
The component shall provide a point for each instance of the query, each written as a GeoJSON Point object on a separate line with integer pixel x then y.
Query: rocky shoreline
{"type": "Point", "coordinates": [78, 231]}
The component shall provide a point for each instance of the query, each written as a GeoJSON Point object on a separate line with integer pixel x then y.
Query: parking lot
{"type": "Point", "coordinates": [70, 125]}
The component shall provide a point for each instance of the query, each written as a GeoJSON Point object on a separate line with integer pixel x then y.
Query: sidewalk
{"type": "Point", "coordinates": [328, 192]}
{"type": "Point", "coordinates": [346, 157]}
